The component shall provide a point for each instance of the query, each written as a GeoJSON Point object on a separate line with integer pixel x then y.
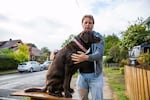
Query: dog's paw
{"type": "Point", "coordinates": [50, 93]}
{"type": "Point", "coordinates": [68, 95]}
{"type": "Point", "coordinates": [56, 94]}
{"type": "Point", "coordinates": [71, 90]}
{"type": "Point", "coordinates": [59, 95]}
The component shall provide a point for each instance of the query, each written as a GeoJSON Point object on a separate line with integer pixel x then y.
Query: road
{"type": "Point", "coordinates": [19, 81]}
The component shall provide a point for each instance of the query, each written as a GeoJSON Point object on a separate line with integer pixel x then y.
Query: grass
{"type": "Point", "coordinates": [26, 98]}
{"type": "Point", "coordinates": [8, 72]}
{"type": "Point", "coordinates": [117, 82]}
{"type": "Point", "coordinates": [75, 75]}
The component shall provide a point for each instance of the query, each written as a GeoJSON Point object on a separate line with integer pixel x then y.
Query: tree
{"type": "Point", "coordinates": [46, 53]}
{"type": "Point", "coordinates": [68, 40]}
{"type": "Point", "coordinates": [45, 50]}
{"type": "Point", "coordinates": [135, 34]}
{"type": "Point", "coordinates": [10, 59]}
{"type": "Point", "coordinates": [7, 52]}
{"type": "Point", "coordinates": [110, 41]}
{"type": "Point", "coordinates": [114, 52]}
{"type": "Point", "coordinates": [22, 54]}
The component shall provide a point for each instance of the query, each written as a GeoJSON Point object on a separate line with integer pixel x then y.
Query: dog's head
{"type": "Point", "coordinates": [88, 37]}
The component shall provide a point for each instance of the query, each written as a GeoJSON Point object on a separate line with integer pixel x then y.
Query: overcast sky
{"type": "Point", "coordinates": [48, 23]}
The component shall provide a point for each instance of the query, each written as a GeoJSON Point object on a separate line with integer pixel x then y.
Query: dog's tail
{"type": "Point", "coordinates": [34, 90]}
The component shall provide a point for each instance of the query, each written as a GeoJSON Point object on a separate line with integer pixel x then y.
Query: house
{"type": "Point", "coordinates": [13, 45]}
{"type": "Point", "coordinates": [34, 51]}
{"type": "Point", "coordinates": [147, 23]}
{"type": "Point", "coordinates": [10, 44]}
{"type": "Point", "coordinates": [135, 51]}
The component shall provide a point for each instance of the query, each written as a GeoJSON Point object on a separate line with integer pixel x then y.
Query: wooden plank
{"type": "Point", "coordinates": [145, 84]}
{"type": "Point", "coordinates": [127, 72]}
{"type": "Point", "coordinates": [132, 83]}
{"type": "Point", "coordinates": [148, 80]}
{"type": "Point", "coordinates": [142, 84]}
{"type": "Point", "coordinates": [139, 84]}
{"type": "Point", "coordinates": [135, 84]}
{"type": "Point", "coordinates": [42, 96]}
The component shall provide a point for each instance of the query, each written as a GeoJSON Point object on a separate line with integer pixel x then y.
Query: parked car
{"type": "Point", "coordinates": [29, 66]}
{"type": "Point", "coordinates": [45, 65]}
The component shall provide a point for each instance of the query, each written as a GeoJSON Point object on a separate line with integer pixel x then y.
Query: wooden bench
{"type": "Point", "coordinates": [44, 96]}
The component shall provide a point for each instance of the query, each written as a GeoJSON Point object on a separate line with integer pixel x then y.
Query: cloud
{"type": "Point", "coordinates": [48, 23]}
{"type": "Point", "coordinates": [116, 17]}
{"type": "Point", "coordinates": [3, 18]}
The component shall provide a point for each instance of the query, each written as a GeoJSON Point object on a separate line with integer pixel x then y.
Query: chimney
{"type": "Point", "coordinates": [10, 39]}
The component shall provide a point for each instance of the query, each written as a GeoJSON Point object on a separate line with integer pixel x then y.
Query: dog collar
{"type": "Point", "coordinates": [81, 47]}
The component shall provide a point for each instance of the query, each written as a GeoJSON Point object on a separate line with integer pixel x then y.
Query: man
{"type": "Point", "coordinates": [90, 77]}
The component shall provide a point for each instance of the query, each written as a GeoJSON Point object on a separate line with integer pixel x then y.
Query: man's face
{"type": "Point", "coordinates": [87, 24]}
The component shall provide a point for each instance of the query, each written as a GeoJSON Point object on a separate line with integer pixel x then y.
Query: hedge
{"type": "Point", "coordinates": [7, 63]}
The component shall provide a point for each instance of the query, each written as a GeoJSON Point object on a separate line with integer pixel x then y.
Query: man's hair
{"type": "Point", "coordinates": [88, 16]}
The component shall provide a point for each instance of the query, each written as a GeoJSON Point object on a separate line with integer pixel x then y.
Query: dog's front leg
{"type": "Point", "coordinates": [67, 80]}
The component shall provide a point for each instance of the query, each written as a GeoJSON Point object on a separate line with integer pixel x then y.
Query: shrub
{"type": "Point", "coordinates": [22, 54]}
{"type": "Point", "coordinates": [122, 70]}
{"type": "Point", "coordinates": [144, 59]}
{"type": "Point", "coordinates": [9, 59]}
{"type": "Point", "coordinates": [7, 62]}
{"type": "Point", "coordinates": [122, 63]}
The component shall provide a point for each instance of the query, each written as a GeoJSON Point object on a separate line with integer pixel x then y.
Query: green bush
{"type": "Point", "coordinates": [122, 70]}
{"type": "Point", "coordinates": [22, 54]}
{"type": "Point", "coordinates": [7, 62]}
{"type": "Point", "coordinates": [122, 63]}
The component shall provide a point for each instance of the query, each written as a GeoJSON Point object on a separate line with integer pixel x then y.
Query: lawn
{"type": "Point", "coordinates": [116, 81]}
{"type": "Point", "coordinates": [8, 72]}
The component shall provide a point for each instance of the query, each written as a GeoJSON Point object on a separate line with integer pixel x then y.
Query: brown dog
{"type": "Point", "coordinates": [62, 68]}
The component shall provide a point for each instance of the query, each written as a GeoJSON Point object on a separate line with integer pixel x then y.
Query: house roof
{"type": "Point", "coordinates": [13, 45]}
{"type": "Point", "coordinates": [36, 52]}
{"type": "Point", "coordinates": [10, 44]}
{"type": "Point", "coordinates": [147, 21]}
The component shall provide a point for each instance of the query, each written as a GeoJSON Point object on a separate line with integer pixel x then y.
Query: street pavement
{"type": "Point", "coordinates": [17, 82]}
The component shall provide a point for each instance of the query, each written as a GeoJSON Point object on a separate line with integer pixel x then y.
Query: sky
{"type": "Point", "coordinates": [48, 23]}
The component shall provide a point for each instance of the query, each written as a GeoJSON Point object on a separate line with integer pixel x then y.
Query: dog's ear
{"type": "Point", "coordinates": [84, 36]}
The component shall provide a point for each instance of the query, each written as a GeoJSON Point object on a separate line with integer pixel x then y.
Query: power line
{"type": "Point", "coordinates": [77, 3]}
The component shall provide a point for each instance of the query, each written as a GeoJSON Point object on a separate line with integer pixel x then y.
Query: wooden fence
{"type": "Point", "coordinates": [137, 80]}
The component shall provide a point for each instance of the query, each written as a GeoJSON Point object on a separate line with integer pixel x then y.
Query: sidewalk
{"type": "Point", "coordinates": [108, 93]}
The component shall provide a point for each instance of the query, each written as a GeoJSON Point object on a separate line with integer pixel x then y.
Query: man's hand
{"type": "Point", "coordinates": [79, 57]}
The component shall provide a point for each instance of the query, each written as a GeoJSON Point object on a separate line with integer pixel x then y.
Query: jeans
{"type": "Point", "coordinates": [91, 83]}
